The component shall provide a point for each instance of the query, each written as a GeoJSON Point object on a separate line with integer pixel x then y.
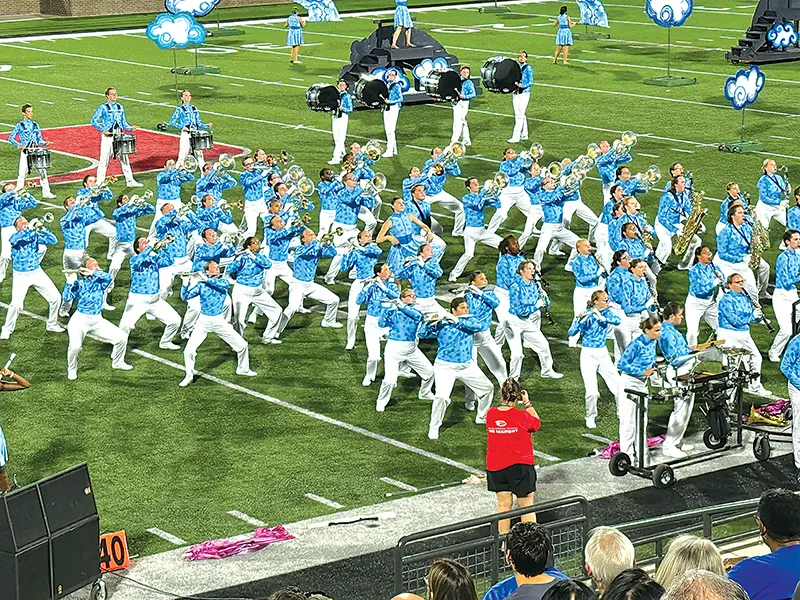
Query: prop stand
{"type": "Point", "coordinates": [591, 35]}
{"type": "Point", "coordinates": [494, 9]}
{"type": "Point", "coordinates": [669, 80]}
{"type": "Point", "coordinates": [220, 31]}
{"type": "Point", "coordinates": [194, 70]}
{"type": "Point", "coordinates": [741, 145]}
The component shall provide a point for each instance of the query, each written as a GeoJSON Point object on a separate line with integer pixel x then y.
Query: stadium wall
{"type": "Point", "coordinates": [88, 8]}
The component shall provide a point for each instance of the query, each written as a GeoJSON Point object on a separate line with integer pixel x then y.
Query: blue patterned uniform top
{"type": "Point", "coordinates": [364, 171]}
{"type": "Point", "coordinates": [793, 218]}
{"type": "Point", "coordinates": [506, 271]}
{"type": "Point", "coordinates": [553, 205]}
{"type": "Point", "coordinates": [409, 183]}
{"type": "Point", "coordinates": [672, 208]}
{"type": "Point", "coordinates": [523, 298]}
{"type": "Point", "coordinates": [11, 207]}
{"type": "Point", "coordinates": [249, 270]}
{"type": "Point", "coordinates": [672, 344]}
{"type": "Point", "coordinates": [790, 363]}
{"type": "Point", "coordinates": [606, 216]}
{"type": "Point", "coordinates": [435, 183]}
{"type": "Point", "coordinates": [395, 93]}
{"type": "Point", "coordinates": [363, 260]}
{"type": "Point", "coordinates": [89, 292]}
{"type": "Point", "coordinates": [125, 220]}
{"type": "Point", "coordinates": [481, 306]}
{"type": "Point", "coordinates": [586, 271]}
{"type": "Point", "coordinates": [345, 102]}
{"type": "Point", "coordinates": [422, 277]}
{"type": "Point", "coordinates": [252, 183]}
{"type": "Point", "coordinates": [179, 228]}
{"type": "Point", "coordinates": [349, 202]}
{"type": "Point", "coordinates": [420, 209]}
{"type": "Point", "coordinates": [533, 186]}
{"type": "Point", "coordinates": [607, 166]}
{"type": "Point", "coordinates": [206, 253]}
{"type": "Point", "coordinates": [735, 311]}
{"type": "Point", "coordinates": [73, 228]}
{"type": "Point", "coordinates": [639, 356]}
{"type": "Point", "coordinates": [25, 248]}
{"type": "Point", "coordinates": [26, 133]}
{"type": "Point", "coordinates": [527, 79]}
{"type": "Point", "coordinates": [187, 115]}
{"type": "Point", "coordinates": [615, 285]}
{"type": "Point", "coordinates": [212, 292]}
{"type": "Point", "coordinates": [92, 211]}
{"type": "Point", "coordinates": [636, 296]}
{"type": "Point", "coordinates": [169, 183]}
{"type": "Point", "coordinates": [402, 228]}
{"type": "Point", "coordinates": [593, 329]}
{"type": "Point", "coordinates": [467, 88]}
{"type": "Point", "coordinates": [703, 280]}
{"type": "Point", "coordinates": [144, 270]}
{"type": "Point", "coordinates": [278, 241]}
{"type": "Point", "coordinates": [108, 116]}
{"type": "Point", "coordinates": [734, 242]}
{"type": "Point", "coordinates": [631, 187]}
{"type": "Point", "coordinates": [456, 340]}
{"type": "Point", "coordinates": [787, 270]}
{"type": "Point", "coordinates": [214, 183]}
{"type": "Point", "coordinates": [294, 22]}
{"type": "Point", "coordinates": [403, 323]}
{"type": "Point", "coordinates": [475, 206]}
{"type": "Point", "coordinates": [328, 193]}
{"type": "Point", "coordinates": [770, 188]}
{"type": "Point", "coordinates": [515, 171]}
{"type": "Point", "coordinates": [212, 216]}
{"type": "Point", "coordinates": [723, 208]}
{"type": "Point", "coordinates": [307, 257]}
{"type": "Point", "coordinates": [635, 248]}
{"type": "Point", "coordinates": [376, 297]}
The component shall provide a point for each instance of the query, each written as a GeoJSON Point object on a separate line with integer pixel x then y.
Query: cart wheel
{"type": "Point", "coordinates": [721, 148]}
{"type": "Point", "coordinates": [712, 442]}
{"type": "Point", "coordinates": [663, 477]}
{"type": "Point", "coordinates": [619, 465]}
{"type": "Point", "coordinates": [99, 591]}
{"type": "Point", "coordinates": [761, 448]}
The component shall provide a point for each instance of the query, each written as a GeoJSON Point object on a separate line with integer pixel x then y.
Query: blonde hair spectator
{"type": "Point", "coordinates": [688, 552]}
{"type": "Point", "coordinates": [608, 553]}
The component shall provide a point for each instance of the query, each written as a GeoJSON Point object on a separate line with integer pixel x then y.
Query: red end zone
{"type": "Point", "coordinates": [152, 149]}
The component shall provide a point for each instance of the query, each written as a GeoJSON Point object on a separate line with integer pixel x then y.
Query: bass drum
{"type": "Point", "coordinates": [500, 75]}
{"type": "Point", "coordinates": [443, 85]}
{"type": "Point", "coordinates": [38, 159]}
{"type": "Point", "coordinates": [322, 97]}
{"type": "Point", "coordinates": [371, 92]}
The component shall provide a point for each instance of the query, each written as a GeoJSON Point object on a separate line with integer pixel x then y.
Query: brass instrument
{"type": "Point", "coordinates": [593, 151]}
{"type": "Point", "coordinates": [623, 146]}
{"type": "Point", "coordinates": [532, 156]}
{"type": "Point", "coordinates": [304, 219]}
{"type": "Point", "coordinates": [495, 185]}
{"type": "Point", "coordinates": [759, 243]}
{"type": "Point", "coordinates": [375, 185]}
{"type": "Point", "coordinates": [102, 187]}
{"type": "Point", "coordinates": [584, 163]}
{"type": "Point", "coordinates": [224, 205]}
{"type": "Point", "coordinates": [23, 191]}
{"type": "Point", "coordinates": [159, 245]}
{"type": "Point", "coordinates": [188, 164]}
{"type": "Point", "coordinates": [327, 238]}
{"type": "Point", "coordinates": [232, 239]}
{"type": "Point", "coordinates": [141, 200]}
{"type": "Point", "coordinates": [284, 158]}
{"type": "Point", "coordinates": [757, 417]}
{"type": "Point", "coordinates": [572, 182]}
{"type": "Point", "coordinates": [39, 225]}
{"type": "Point", "coordinates": [372, 149]}
{"type": "Point", "coordinates": [650, 177]}
{"type": "Point", "coordinates": [452, 153]}
{"type": "Point", "coordinates": [293, 174]}
{"type": "Point", "coordinates": [185, 209]}
{"type": "Point", "coordinates": [300, 191]}
{"type": "Point", "coordinates": [693, 223]}
{"type": "Point", "coordinates": [225, 162]}
{"type": "Point", "coordinates": [554, 170]}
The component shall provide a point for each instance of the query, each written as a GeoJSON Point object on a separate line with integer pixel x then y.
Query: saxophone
{"type": "Point", "coordinates": [759, 244]}
{"type": "Point", "coordinates": [693, 223]}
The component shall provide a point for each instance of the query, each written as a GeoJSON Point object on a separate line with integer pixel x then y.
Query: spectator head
{"type": "Point", "coordinates": [529, 547]}
{"type": "Point", "coordinates": [449, 580]}
{"type": "Point", "coordinates": [697, 584]}
{"type": "Point", "coordinates": [288, 593]}
{"type": "Point", "coordinates": [688, 552]}
{"type": "Point", "coordinates": [779, 517]}
{"type": "Point", "coordinates": [569, 589]}
{"type": "Point", "coordinates": [633, 584]}
{"type": "Point", "coordinates": [609, 552]}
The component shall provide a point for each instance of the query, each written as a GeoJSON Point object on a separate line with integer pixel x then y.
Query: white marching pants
{"type": "Point", "coordinates": [373, 334]}
{"type": "Point", "coordinates": [105, 229]}
{"type": "Point", "coordinates": [299, 290]}
{"type": "Point", "coordinates": [470, 374]}
{"type": "Point", "coordinates": [185, 148]}
{"type": "Point", "coordinates": [512, 195]}
{"type": "Point", "coordinates": [604, 251]}
{"type": "Point", "coordinates": [122, 251]}
{"type": "Point", "coordinates": [460, 127]}
{"type": "Point", "coordinates": [5, 249]}
{"type": "Point", "coordinates": [245, 295]}
{"type": "Point", "coordinates": [390, 125]}
{"type": "Point", "coordinates": [743, 339]}
{"type": "Point", "coordinates": [534, 216]}
{"type": "Point", "coordinates": [452, 204]}
{"type": "Point", "coordinates": [664, 249]}
{"type": "Point", "coordinates": [155, 306]}
{"type": "Point", "coordinates": [339, 130]}
{"type": "Point", "coordinates": [254, 210]}
{"type": "Point", "coordinates": [629, 433]}
{"type": "Point", "coordinates": [23, 172]}
{"type": "Point", "coordinates": [767, 212]}
{"type": "Point", "coordinates": [527, 332]}
{"type": "Point", "coordinates": [81, 325]}
{"type": "Point", "coordinates": [340, 242]}
{"type": "Point", "coordinates": [696, 309]}
{"type": "Point", "coordinates": [473, 235]}
{"type": "Point", "coordinates": [794, 398]}
{"type": "Point", "coordinates": [629, 329]}
{"type": "Point", "coordinates": [106, 149]}
{"type": "Point", "coordinates": [755, 287]}
{"type": "Point", "coordinates": [520, 102]}
{"type": "Point", "coordinates": [577, 207]}
{"type": "Point", "coordinates": [279, 268]}
{"type": "Point", "coordinates": [782, 301]}
{"type": "Point", "coordinates": [501, 330]}
{"type": "Point", "coordinates": [396, 353]}
{"type": "Point", "coordinates": [353, 310]}
{"type": "Point", "coordinates": [166, 275]}
{"type": "Point", "coordinates": [681, 411]}
{"type": "Point", "coordinates": [550, 232]}
{"type": "Point", "coordinates": [594, 361]}
{"type": "Point", "coordinates": [490, 352]}
{"type": "Point", "coordinates": [217, 324]}
{"type": "Point", "coordinates": [20, 283]}
{"type": "Point", "coordinates": [326, 218]}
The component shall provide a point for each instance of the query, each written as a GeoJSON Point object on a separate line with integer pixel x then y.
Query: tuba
{"type": "Point", "coordinates": [693, 223]}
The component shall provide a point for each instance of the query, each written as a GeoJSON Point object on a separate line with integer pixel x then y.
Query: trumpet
{"type": "Point", "coordinates": [188, 164]}
{"type": "Point", "coordinates": [225, 162]}
{"type": "Point", "coordinates": [141, 200]}
{"type": "Point", "coordinates": [232, 239]}
{"type": "Point", "coordinates": [102, 187]}
{"type": "Point", "coordinates": [327, 238]}
{"type": "Point", "coordinates": [39, 225]}
{"type": "Point", "coordinates": [23, 191]}
{"type": "Point", "coordinates": [304, 219]}
{"type": "Point", "coordinates": [224, 205]}
{"type": "Point", "coordinates": [372, 149]}
{"type": "Point", "coordinates": [623, 146]}
{"type": "Point", "coordinates": [375, 185]}
{"type": "Point", "coordinates": [496, 184]}
{"type": "Point", "coordinates": [159, 245]}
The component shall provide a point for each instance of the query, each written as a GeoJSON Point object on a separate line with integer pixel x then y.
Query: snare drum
{"type": "Point", "coordinates": [124, 144]}
{"type": "Point", "coordinates": [500, 75]}
{"type": "Point", "coordinates": [371, 92]}
{"type": "Point", "coordinates": [38, 159]}
{"type": "Point", "coordinates": [201, 139]}
{"type": "Point", "coordinates": [322, 97]}
{"type": "Point", "coordinates": [443, 85]}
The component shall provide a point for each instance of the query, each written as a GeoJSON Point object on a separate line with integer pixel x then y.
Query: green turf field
{"type": "Point", "coordinates": [179, 459]}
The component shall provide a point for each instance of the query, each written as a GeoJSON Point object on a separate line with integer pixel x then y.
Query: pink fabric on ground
{"type": "Point", "coordinates": [613, 447]}
{"type": "Point", "coordinates": [243, 544]}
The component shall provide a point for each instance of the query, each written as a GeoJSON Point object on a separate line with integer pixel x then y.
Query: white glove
{"type": "Point", "coordinates": [475, 289]}
{"type": "Point", "coordinates": [34, 223]}
{"type": "Point", "coordinates": [86, 271]}
{"type": "Point", "coordinates": [451, 318]}
{"type": "Point", "coordinates": [679, 229]}
{"type": "Point", "coordinates": [746, 258]}
{"type": "Point", "coordinates": [540, 303]}
{"type": "Point", "coordinates": [250, 253]}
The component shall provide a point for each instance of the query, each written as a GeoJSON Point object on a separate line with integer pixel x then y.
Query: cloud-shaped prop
{"type": "Point", "coordinates": [782, 35]}
{"type": "Point", "coordinates": [320, 10]}
{"type": "Point", "coordinates": [593, 12]}
{"type": "Point", "coordinates": [175, 31]}
{"type": "Point", "coordinates": [668, 13]}
{"type": "Point", "coordinates": [198, 8]}
{"type": "Point", "coordinates": [742, 89]}
{"type": "Point", "coordinates": [383, 73]}
{"type": "Point", "coordinates": [428, 65]}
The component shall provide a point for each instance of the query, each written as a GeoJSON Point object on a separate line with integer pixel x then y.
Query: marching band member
{"type": "Point", "coordinates": [514, 193]}
{"type": "Point", "coordinates": [91, 194]}
{"type": "Point", "coordinates": [532, 187]}
{"type": "Point", "coordinates": [125, 216]}
{"type": "Point", "coordinates": [28, 272]}
{"type": "Point", "coordinates": [214, 181]}
{"type": "Point", "coordinates": [348, 204]}
{"type": "Point", "coordinates": [214, 217]}
{"type": "Point", "coordinates": [733, 195]}
{"type": "Point", "coordinates": [612, 211]}
{"type": "Point", "coordinates": [733, 253]}
{"type": "Point", "coordinates": [363, 257]}
{"type": "Point", "coordinates": [525, 321]}
{"type": "Point", "coordinates": [213, 292]}
{"type": "Point", "coordinates": [475, 205]}
{"type": "Point", "coordinates": [589, 274]}
{"type": "Point", "coordinates": [434, 189]}
{"type": "Point", "coordinates": [787, 276]}
{"type": "Point", "coordinates": [634, 246]}
{"type": "Point", "coordinates": [88, 291]}
{"type": "Point", "coordinates": [187, 118]}
{"type": "Point", "coordinates": [400, 229]}
{"type": "Point", "coordinates": [73, 228]}
{"type": "Point", "coordinates": [790, 367]}
{"type": "Point", "coordinates": [306, 258]}
{"type": "Point", "coordinates": [12, 204]}
{"type": "Point", "coordinates": [521, 97]}
{"type": "Point", "coordinates": [277, 238]}
{"type": "Point", "coordinates": [630, 185]}
{"type": "Point", "coordinates": [481, 302]}
{"type": "Point", "coordinates": [674, 208]}
{"type": "Point", "coordinates": [174, 228]}
{"type": "Point", "coordinates": [374, 294]}
{"type": "Point", "coordinates": [403, 321]}
{"type": "Point", "coordinates": [506, 272]}
{"type": "Point", "coordinates": [392, 108]}
{"type": "Point", "coordinates": [144, 297]}
{"type": "Point", "coordinates": [736, 312]}
{"type": "Point", "coordinates": [340, 118]}
{"type": "Point", "coordinates": [422, 271]}
{"type": "Point", "coordinates": [364, 174]}
{"type": "Point", "coordinates": [773, 195]}
{"type": "Point", "coordinates": [249, 268]}
{"type": "Point", "coordinates": [294, 37]}
{"type": "Point", "coordinates": [415, 177]}
{"type": "Point", "coordinates": [461, 108]}
{"type": "Point", "coordinates": [793, 214]}
{"type": "Point", "coordinates": [169, 183]}
{"type": "Point", "coordinates": [17, 383]}
{"type": "Point", "coordinates": [607, 165]}
{"type": "Point", "coordinates": [704, 282]}
{"type": "Point", "coordinates": [678, 170]}
{"type": "Point", "coordinates": [553, 230]}
{"type": "Point", "coordinates": [109, 119]}
{"type": "Point", "coordinates": [593, 325]}
{"type": "Point", "coordinates": [615, 284]}
{"type": "Point", "coordinates": [635, 366]}
{"type": "Point", "coordinates": [636, 299]}
{"type": "Point", "coordinates": [420, 208]}
{"type": "Point", "coordinates": [26, 135]}
{"type": "Point", "coordinates": [252, 182]}
{"type": "Point", "coordinates": [574, 205]}
{"type": "Point", "coordinates": [328, 190]}
{"type": "Point", "coordinates": [454, 361]}
{"type": "Point", "coordinates": [402, 20]}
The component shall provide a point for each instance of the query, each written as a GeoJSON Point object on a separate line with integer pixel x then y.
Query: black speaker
{"type": "Point", "coordinates": [67, 498]}
{"type": "Point", "coordinates": [76, 557]}
{"type": "Point", "coordinates": [21, 520]}
{"type": "Point", "coordinates": [25, 575]}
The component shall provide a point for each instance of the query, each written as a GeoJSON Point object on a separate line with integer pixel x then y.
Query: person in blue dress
{"type": "Point", "coordinates": [295, 36]}
{"type": "Point", "coordinates": [402, 20]}
{"type": "Point", "coordinates": [564, 35]}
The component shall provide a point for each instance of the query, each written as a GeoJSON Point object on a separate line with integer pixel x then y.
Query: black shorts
{"type": "Point", "coordinates": [519, 479]}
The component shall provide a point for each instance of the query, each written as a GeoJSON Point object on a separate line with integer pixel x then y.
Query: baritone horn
{"type": "Point", "coordinates": [529, 157]}
{"type": "Point", "coordinates": [554, 170]}
{"type": "Point", "coordinates": [293, 174]}
{"type": "Point", "coordinates": [593, 151]}
{"type": "Point", "coordinates": [375, 185]}
{"type": "Point", "coordinates": [623, 145]}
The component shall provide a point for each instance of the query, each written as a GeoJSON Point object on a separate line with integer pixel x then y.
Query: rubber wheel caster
{"type": "Point", "coordinates": [761, 448]}
{"type": "Point", "coordinates": [663, 477]}
{"type": "Point", "coordinates": [619, 464]}
{"type": "Point", "coordinates": [711, 442]}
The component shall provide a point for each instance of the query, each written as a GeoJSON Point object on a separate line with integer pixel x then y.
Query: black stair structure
{"type": "Point", "coordinates": [754, 48]}
{"type": "Point", "coordinates": [375, 52]}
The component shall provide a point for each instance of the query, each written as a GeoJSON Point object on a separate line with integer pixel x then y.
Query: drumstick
{"type": "Point", "coordinates": [10, 358]}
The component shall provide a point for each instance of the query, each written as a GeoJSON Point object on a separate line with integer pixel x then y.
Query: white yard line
{"type": "Point", "coordinates": [597, 438]}
{"type": "Point", "coordinates": [780, 137]}
{"type": "Point", "coordinates": [324, 500]}
{"type": "Point", "coordinates": [167, 536]}
{"type": "Point", "coordinates": [648, 155]}
{"type": "Point", "coordinates": [246, 518]}
{"type": "Point", "coordinates": [399, 484]}
{"type": "Point", "coordinates": [680, 150]}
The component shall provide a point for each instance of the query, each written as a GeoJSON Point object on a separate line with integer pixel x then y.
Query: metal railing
{"type": "Point", "coordinates": [477, 545]}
